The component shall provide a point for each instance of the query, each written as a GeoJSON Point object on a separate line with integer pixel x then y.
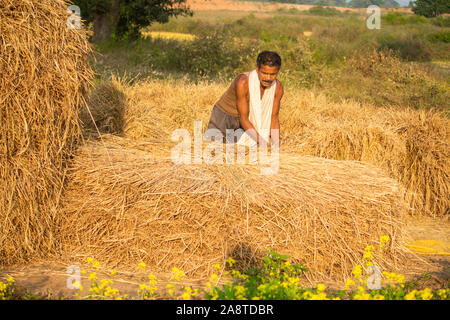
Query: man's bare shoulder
{"type": "Point", "coordinates": [279, 91]}
{"type": "Point", "coordinates": [241, 82]}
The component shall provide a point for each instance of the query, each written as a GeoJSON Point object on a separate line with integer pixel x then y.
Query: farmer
{"type": "Point", "coordinates": [242, 108]}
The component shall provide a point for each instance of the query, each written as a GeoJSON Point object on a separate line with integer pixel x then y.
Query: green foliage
{"type": "Point", "coordinates": [430, 8]}
{"type": "Point", "coordinates": [365, 3]}
{"type": "Point", "coordinates": [442, 36]}
{"type": "Point", "coordinates": [441, 21]}
{"type": "Point", "coordinates": [217, 54]}
{"type": "Point", "coordinates": [275, 279]}
{"type": "Point", "coordinates": [278, 279]}
{"type": "Point", "coordinates": [226, 47]}
{"type": "Point", "coordinates": [402, 18]}
{"type": "Point", "coordinates": [410, 47]}
{"type": "Point", "coordinates": [323, 11]}
{"type": "Point", "coordinates": [129, 16]}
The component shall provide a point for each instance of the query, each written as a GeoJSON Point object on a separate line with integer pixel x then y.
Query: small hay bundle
{"type": "Point", "coordinates": [44, 75]}
{"type": "Point", "coordinates": [123, 206]}
{"type": "Point", "coordinates": [426, 164]}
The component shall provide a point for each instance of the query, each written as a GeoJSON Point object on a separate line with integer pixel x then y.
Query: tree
{"type": "Point", "coordinates": [365, 3]}
{"type": "Point", "coordinates": [340, 3]}
{"type": "Point", "coordinates": [430, 8]}
{"type": "Point", "coordinates": [391, 4]}
{"type": "Point", "coordinates": [124, 18]}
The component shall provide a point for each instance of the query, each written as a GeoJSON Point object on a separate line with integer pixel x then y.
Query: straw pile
{"type": "Point", "coordinates": [128, 202]}
{"type": "Point", "coordinates": [125, 205]}
{"type": "Point", "coordinates": [413, 147]}
{"type": "Point", "coordinates": [44, 75]}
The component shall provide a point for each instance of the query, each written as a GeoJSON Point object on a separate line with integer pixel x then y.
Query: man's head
{"type": "Point", "coordinates": [268, 64]}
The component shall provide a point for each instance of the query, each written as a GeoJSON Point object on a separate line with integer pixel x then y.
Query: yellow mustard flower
{"type": "Point", "coordinates": [384, 240]}
{"type": "Point", "coordinates": [214, 278]}
{"type": "Point", "coordinates": [177, 274]}
{"type": "Point", "coordinates": [442, 293]}
{"type": "Point", "coordinates": [186, 296]}
{"type": "Point", "coordinates": [230, 261]}
{"type": "Point", "coordinates": [96, 264]}
{"type": "Point", "coordinates": [426, 294]}
{"type": "Point", "coordinates": [411, 295]}
{"type": "Point", "coordinates": [320, 287]}
{"type": "Point", "coordinates": [349, 283]}
{"type": "Point", "coordinates": [307, 295]}
{"type": "Point", "coordinates": [142, 265]}
{"type": "Point", "coordinates": [357, 270]}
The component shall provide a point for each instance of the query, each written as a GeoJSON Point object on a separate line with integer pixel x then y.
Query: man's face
{"type": "Point", "coordinates": [267, 75]}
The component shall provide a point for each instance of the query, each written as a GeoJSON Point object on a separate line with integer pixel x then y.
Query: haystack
{"type": "Point", "coordinates": [125, 205]}
{"type": "Point", "coordinates": [44, 76]}
{"type": "Point", "coordinates": [411, 146]}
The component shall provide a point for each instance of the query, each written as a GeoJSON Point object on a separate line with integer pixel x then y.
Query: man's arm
{"type": "Point", "coordinates": [241, 86]}
{"type": "Point", "coordinates": [275, 121]}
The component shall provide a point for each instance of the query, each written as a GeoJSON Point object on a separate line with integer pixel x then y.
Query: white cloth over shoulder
{"type": "Point", "coordinates": [260, 111]}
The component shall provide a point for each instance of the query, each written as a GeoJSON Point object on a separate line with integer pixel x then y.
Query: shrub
{"type": "Point", "coordinates": [441, 21]}
{"type": "Point", "coordinates": [323, 11]}
{"type": "Point", "coordinates": [402, 18]}
{"type": "Point", "coordinates": [409, 48]}
{"type": "Point", "coordinates": [443, 36]}
{"type": "Point", "coordinates": [217, 54]}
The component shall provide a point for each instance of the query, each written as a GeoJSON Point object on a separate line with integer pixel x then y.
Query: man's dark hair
{"type": "Point", "coordinates": [268, 58]}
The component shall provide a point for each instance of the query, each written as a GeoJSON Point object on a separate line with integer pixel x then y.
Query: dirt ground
{"type": "Point", "coordinates": [198, 5]}
{"type": "Point", "coordinates": [430, 268]}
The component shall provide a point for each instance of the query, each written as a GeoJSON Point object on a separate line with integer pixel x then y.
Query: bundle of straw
{"type": "Point", "coordinates": [125, 205]}
{"type": "Point", "coordinates": [44, 76]}
{"type": "Point", "coordinates": [410, 146]}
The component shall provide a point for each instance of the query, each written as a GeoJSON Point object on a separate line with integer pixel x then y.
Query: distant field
{"type": "Point", "coordinates": [198, 5]}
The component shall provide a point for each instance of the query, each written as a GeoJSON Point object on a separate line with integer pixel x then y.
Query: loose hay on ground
{"type": "Point", "coordinates": [124, 205]}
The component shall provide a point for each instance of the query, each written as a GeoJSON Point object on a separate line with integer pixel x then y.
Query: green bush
{"type": "Point", "coordinates": [278, 279]}
{"type": "Point", "coordinates": [323, 11]}
{"type": "Point", "coordinates": [402, 18]}
{"type": "Point", "coordinates": [443, 36]}
{"type": "Point", "coordinates": [409, 48]}
{"type": "Point", "coordinates": [441, 21]}
{"type": "Point", "coordinates": [217, 54]}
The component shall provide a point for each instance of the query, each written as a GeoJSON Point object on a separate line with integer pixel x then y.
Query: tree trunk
{"type": "Point", "coordinates": [105, 23]}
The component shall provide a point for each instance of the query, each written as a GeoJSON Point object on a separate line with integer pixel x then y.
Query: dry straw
{"type": "Point", "coordinates": [125, 205]}
{"type": "Point", "coordinates": [321, 212]}
{"type": "Point", "coordinates": [411, 146]}
{"type": "Point", "coordinates": [44, 75]}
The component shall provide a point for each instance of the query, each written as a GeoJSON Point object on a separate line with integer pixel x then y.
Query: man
{"type": "Point", "coordinates": [241, 103]}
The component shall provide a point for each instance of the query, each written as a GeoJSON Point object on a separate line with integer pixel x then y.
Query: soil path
{"type": "Point", "coordinates": [430, 268]}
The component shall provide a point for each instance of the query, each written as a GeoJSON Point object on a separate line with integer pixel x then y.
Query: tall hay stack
{"type": "Point", "coordinates": [44, 75]}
